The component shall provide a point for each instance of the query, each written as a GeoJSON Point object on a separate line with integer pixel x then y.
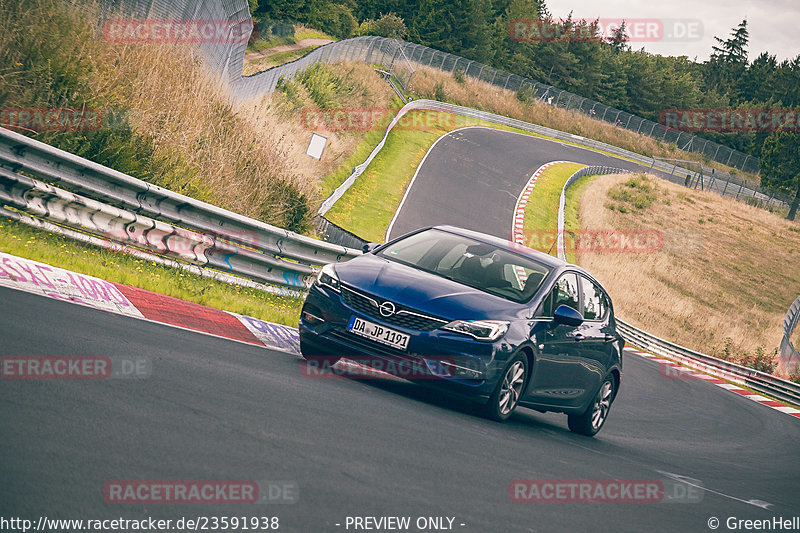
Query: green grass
{"type": "Point", "coordinates": [260, 45]}
{"type": "Point", "coordinates": [32, 243]}
{"type": "Point", "coordinates": [367, 208]}
{"type": "Point", "coordinates": [334, 179]}
{"type": "Point", "coordinates": [571, 222]}
{"type": "Point", "coordinates": [311, 33]}
{"type": "Point", "coordinates": [540, 225]}
{"type": "Point", "coordinates": [275, 60]}
{"type": "Point", "coordinates": [636, 194]}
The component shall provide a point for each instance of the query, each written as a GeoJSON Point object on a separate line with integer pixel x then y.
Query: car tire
{"type": "Point", "coordinates": [309, 354]}
{"type": "Point", "coordinates": [591, 421]}
{"type": "Point", "coordinates": [508, 391]}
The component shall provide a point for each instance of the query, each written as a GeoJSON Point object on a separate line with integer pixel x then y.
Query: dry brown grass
{"type": "Point", "coordinates": [185, 111]}
{"type": "Point", "coordinates": [429, 82]}
{"type": "Point", "coordinates": [730, 277]}
{"type": "Point", "coordinates": [247, 157]}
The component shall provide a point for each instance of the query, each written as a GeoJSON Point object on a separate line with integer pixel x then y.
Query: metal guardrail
{"type": "Point", "coordinates": [433, 105]}
{"type": "Point", "coordinates": [585, 171]}
{"type": "Point", "coordinates": [330, 232]}
{"type": "Point", "coordinates": [101, 201]}
{"type": "Point", "coordinates": [748, 377]}
{"type": "Point", "coordinates": [789, 354]}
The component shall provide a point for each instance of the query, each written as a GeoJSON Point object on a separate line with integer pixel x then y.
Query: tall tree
{"type": "Point", "coordinates": [729, 60]}
{"type": "Point", "coordinates": [780, 165]}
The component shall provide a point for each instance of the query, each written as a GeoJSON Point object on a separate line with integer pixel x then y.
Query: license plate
{"type": "Point", "coordinates": [378, 333]}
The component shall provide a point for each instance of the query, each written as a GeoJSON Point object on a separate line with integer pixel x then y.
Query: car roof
{"type": "Point", "coordinates": [536, 255]}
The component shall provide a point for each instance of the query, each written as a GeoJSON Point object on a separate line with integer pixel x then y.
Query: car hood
{"type": "Point", "coordinates": [389, 280]}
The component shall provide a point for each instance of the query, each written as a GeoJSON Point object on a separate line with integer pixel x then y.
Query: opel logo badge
{"type": "Point", "coordinates": [386, 309]}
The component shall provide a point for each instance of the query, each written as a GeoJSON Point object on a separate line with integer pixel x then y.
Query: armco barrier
{"type": "Point", "coordinates": [748, 377]}
{"type": "Point", "coordinates": [118, 207]}
{"type": "Point", "coordinates": [433, 105]}
{"type": "Point", "coordinates": [789, 354]}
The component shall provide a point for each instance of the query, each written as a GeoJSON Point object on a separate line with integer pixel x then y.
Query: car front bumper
{"type": "Point", "coordinates": [439, 358]}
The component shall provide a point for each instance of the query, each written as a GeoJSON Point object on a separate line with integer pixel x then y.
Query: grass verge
{"type": "Point", "coordinates": [32, 243]}
{"type": "Point", "coordinates": [275, 60]}
{"type": "Point", "coordinates": [540, 225]}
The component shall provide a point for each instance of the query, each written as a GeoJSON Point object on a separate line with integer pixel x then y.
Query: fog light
{"type": "Point", "coordinates": [311, 318]}
{"type": "Point", "coordinates": [458, 371]}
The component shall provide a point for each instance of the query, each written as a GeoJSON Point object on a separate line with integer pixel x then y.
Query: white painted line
{"type": "Point", "coordinates": [414, 178]}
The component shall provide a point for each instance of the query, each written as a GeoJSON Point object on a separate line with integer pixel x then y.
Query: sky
{"type": "Point", "coordinates": [774, 25]}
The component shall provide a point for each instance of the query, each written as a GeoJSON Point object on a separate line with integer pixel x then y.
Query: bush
{"type": "Point", "coordinates": [460, 75]}
{"type": "Point", "coordinates": [439, 92]}
{"type": "Point", "coordinates": [638, 192]}
{"type": "Point", "coordinates": [760, 360]}
{"type": "Point", "coordinates": [526, 94]}
{"type": "Point", "coordinates": [389, 25]}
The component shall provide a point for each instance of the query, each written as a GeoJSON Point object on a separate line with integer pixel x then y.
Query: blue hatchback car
{"type": "Point", "coordinates": [473, 315]}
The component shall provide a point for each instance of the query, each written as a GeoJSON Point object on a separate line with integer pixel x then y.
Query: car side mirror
{"type": "Point", "coordinates": [567, 316]}
{"type": "Point", "coordinates": [367, 248]}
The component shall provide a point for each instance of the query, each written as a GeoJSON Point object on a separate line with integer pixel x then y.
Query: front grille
{"type": "Point", "coordinates": [403, 316]}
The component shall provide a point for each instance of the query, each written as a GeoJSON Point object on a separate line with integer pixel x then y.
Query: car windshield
{"type": "Point", "coordinates": [477, 264]}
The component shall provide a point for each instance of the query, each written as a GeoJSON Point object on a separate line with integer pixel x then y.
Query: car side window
{"type": "Point", "coordinates": [564, 292]}
{"type": "Point", "coordinates": [595, 303]}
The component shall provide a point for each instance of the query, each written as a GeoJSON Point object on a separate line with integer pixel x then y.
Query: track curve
{"type": "Point", "coordinates": [473, 176]}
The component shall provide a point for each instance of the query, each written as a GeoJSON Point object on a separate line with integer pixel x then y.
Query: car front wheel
{"type": "Point", "coordinates": [590, 421]}
{"type": "Point", "coordinates": [508, 392]}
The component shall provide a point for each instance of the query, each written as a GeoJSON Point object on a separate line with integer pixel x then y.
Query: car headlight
{"type": "Point", "coordinates": [482, 330]}
{"type": "Point", "coordinates": [327, 277]}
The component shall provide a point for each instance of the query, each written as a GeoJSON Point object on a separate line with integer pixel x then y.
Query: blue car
{"type": "Point", "coordinates": [477, 316]}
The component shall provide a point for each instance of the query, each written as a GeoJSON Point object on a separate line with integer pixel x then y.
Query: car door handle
{"type": "Point", "coordinates": [609, 338]}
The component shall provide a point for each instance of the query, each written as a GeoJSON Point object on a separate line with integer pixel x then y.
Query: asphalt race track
{"type": "Point", "coordinates": [218, 409]}
{"type": "Point", "coordinates": [215, 409]}
{"type": "Point", "coordinates": [473, 176]}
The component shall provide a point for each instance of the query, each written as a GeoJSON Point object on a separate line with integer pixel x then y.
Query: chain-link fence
{"type": "Point", "coordinates": [726, 184]}
{"type": "Point", "coordinates": [397, 58]}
